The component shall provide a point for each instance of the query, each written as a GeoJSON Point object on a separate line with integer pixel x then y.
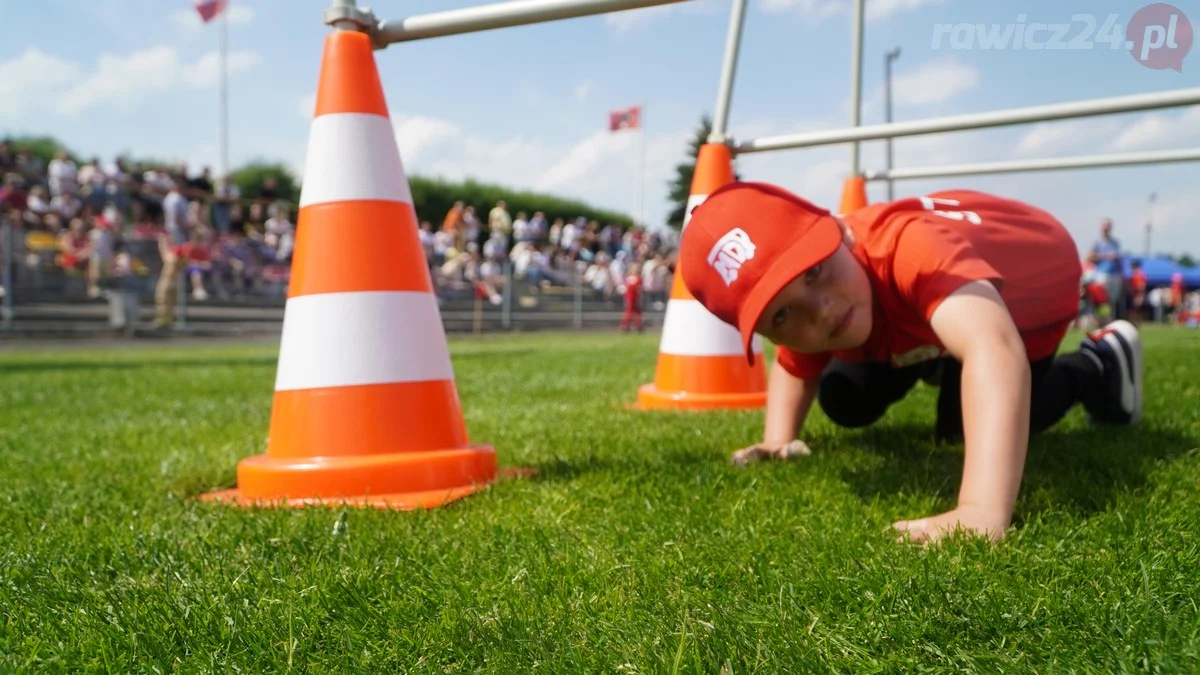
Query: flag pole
{"type": "Point", "coordinates": [224, 94]}
{"type": "Point", "coordinates": [642, 187]}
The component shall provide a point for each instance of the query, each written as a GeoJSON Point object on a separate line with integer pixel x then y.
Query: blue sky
{"type": "Point", "coordinates": [528, 106]}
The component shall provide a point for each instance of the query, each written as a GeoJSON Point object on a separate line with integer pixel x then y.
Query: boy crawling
{"type": "Point", "coordinates": [962, 289]}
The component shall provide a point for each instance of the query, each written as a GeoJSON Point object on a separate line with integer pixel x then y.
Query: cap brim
{"type": "Point", "coordinates": [816, 245]}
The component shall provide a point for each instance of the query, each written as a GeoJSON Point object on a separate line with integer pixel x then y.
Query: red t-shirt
{"type": "Point", "coordinates": [1138, 281]}
{"type": "Point", "coordinates": [918, 251]}
{"type": "Point", "coordinates": [633, 288]}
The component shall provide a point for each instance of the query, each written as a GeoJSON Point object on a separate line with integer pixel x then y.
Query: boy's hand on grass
{"type": "Point", "coordinates": [986, 521]}
{"type": "Point", "coordinates": [759, 451]}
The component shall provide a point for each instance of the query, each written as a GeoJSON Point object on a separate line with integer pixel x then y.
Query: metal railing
{"type": "Point", "coordinates": [41, 296]}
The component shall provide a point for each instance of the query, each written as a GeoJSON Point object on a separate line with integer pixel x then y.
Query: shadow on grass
{"type": "Point", "coordinates": [1080, 470]}
{"type": "Point", "coordinates": [567, 469]}
{"type": "Point", "coordinates": [86, 366]}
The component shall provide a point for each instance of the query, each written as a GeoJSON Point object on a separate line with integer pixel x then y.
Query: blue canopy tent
{"type": "Point", "coordinates": [1160, 270]}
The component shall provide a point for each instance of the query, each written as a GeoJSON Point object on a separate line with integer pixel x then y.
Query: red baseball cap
{"type": "Point", "coordinates": [745, 243]}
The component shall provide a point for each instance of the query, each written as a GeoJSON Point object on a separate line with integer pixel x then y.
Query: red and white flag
{"type": "Point", "coordinates": [211, 9]}
{"type": "Point", "coordinates": [629, 118]}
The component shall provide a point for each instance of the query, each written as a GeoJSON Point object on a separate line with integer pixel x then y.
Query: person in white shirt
{"type": "Point", "coordinates": [63, 174]}
{"type": "Point", "coordinates": [520, 228]}
{"type": "Point", "coordinates": [175, 214]}
{"type": "Point", "coordinates": [571, 232]}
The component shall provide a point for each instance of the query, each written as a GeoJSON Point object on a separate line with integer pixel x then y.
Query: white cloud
{"type": "Point", "coordinates": [125, 80]}
{"type": "Point", "coordinates": [1148, 131]}
{"type": "Point", "coordinates": [934, 82]}
{"type": "Point", "coordinates": [815, 9]}
{"type": "Point", "coordinates": [188, 19]}
{"type": "Point", "coordinates": [881, 9]}
{"type": "Point", "coordinates": [582, 90]}
{"type": "Point", "coordinates": [583, 157]}
{"type": "Point", "coordinates": [32, 77]}
{"type": "Point", "coordinates": [1053, 138]}
{"type": "Point", "coordinates": [627, 20]}
{"type": "Point", "coordinates": [207, 71]}
{"type": "Point", "coordinates": [307, 106]}
{"type": "Point", "coordinates": [1159, 130]}
{"type": "Point", "coordinates": [415, 134]}
{"type": "Point", "coordinates": [819, 10]}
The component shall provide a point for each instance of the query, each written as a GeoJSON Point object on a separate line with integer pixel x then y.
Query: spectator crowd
{"type": "Point", "coordinates": [1108, 292]}
{"type": "Point", "coordinates": [466, 249]}
{"type": "Point", "coordinates": [117, 229]}
{"type": "Point", "coordinates": [113, 227]}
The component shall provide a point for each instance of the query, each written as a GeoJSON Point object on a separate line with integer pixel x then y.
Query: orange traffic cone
{"type": "Point", "coordinates": [854, 194]}
{"type": "Point", "coordinates": [366, 410]}
{"type": "Point", "coordinates": [701, 361]}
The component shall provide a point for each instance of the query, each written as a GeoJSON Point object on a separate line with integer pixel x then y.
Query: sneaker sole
{"type": "Point", "coordinates": [1128, 347]}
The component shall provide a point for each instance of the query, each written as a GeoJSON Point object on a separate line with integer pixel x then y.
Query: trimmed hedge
{"type": "Point", "coordinates": [434, 197]}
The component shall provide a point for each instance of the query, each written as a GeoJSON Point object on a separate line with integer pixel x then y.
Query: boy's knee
{"type": "Point", "coordinates": [843, 403]}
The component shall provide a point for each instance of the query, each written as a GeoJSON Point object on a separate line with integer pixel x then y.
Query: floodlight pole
{"type": "Point", "coordinates": [733, 41]}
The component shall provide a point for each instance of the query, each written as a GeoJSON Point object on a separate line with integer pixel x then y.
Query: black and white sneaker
{"type": "Point", "coordinates": [1118, 349]}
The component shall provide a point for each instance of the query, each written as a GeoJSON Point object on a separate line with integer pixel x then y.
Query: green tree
{"type": "Point", "coordinates": [43, 147]}
{"type": "Point", "coordinates": [433, 197]}
{"type": "Point", "coordinates": [250, 177]}
{"type": "Point", "coordinates": [681, 186]}
{"type": "Point", "coordinates": [1186, 260]}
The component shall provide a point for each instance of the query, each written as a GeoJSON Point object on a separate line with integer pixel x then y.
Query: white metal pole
{"type": "Point", "coordinates": [856, 68]}
{"type": "Point", "coordinates": [1149, 219]}
{"type": "Point", "coordinates": [499, 15]}
{"type": "Point", "coordinates": [224, 93]}
{"type": "Point", "coordinates": [733, 43]}
{"type": "Point", "coordinates": [1020, 166]}
{"type": "Point", "coordinates": [642, 184]}
{"type": "Point", "coordinates": [6, 240]}
{"type": "Point", "coordinates": [887, 89]}
{"type": "Point", "coordinates": [1043, 113]}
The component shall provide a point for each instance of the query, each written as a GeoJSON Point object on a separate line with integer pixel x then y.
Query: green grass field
{"type": "Point", "coordinates": [637, 548]}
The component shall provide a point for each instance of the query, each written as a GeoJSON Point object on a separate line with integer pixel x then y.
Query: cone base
{"type": "Point", "coordinates": [407, 501]}
{"type": "Point", "coordinates": [405, 481]}
{"type": "Point", "coordinates": [651, 397]}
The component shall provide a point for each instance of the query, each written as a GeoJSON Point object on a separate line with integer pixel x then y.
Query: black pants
{"type": "Point", "coordinates": [858, 394]}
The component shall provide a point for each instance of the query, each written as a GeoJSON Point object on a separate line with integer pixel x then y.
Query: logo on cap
{"type": "Point", "coordinates": [729, 254]}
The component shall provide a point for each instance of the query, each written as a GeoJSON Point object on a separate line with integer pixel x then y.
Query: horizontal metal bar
{"type": "Point", "coordinates": [499, 15]}
{"type": "Point", "coordinates": [1024, 165]}
{"type": "Point", "coordinates": [1041, 113]}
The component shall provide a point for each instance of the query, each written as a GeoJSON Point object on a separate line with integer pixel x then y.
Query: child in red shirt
{"type": "Point", "coordinates": [967, 289]}
{"type": "Point", "coordinates": [1137, 284]}
{"type": "Point", "coordinates": [633, 299]}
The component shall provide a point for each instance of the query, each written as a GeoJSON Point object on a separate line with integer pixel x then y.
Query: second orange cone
{"type": "Point", "coordinates": [701, 362]}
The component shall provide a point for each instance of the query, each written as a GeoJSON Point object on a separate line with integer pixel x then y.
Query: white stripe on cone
{"type": "Point", "coordinates": [374, 337]}
{"type": "Point", "coordinates": [691, 330]}
{"type": "Point", "coordinates": [353, 156]}
{"type": "Point", "coordinates": [692, 202]}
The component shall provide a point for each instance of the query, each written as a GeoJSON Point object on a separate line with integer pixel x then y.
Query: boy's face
{"type": "Point", "coordinates": [825, 309]}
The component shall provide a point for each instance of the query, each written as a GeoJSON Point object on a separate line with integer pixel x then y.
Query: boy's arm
{"type": "Point", "coordinates": [975, 326]}
{"type": "Point", "coordinates": [789, 399]}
